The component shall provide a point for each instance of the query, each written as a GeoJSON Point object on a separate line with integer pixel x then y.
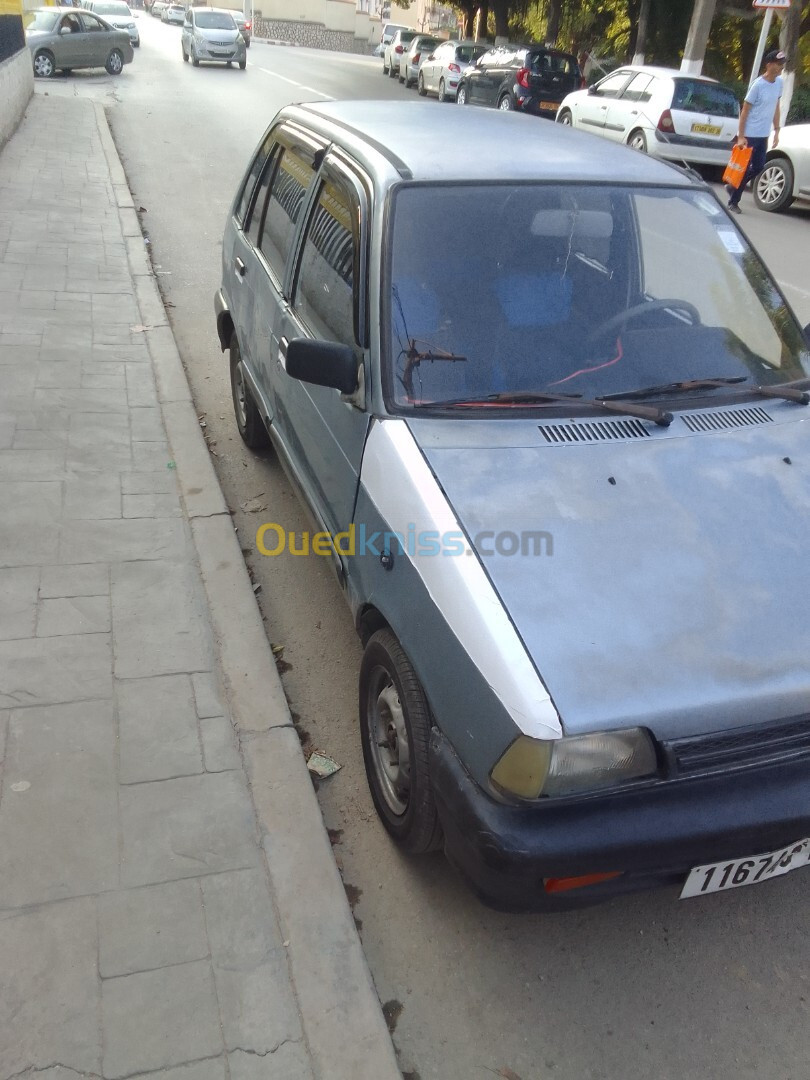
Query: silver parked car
{"type": "Point", "coordinates": [420, 47]}
{"type": "Point", "coordinates": [68, 38]}
{"type": "Point", "coordinates": [245, 26]}
{"type": "Point", "coordinates": [210, 34]}
{"type": "Point", "coordinates": [786, 176]}
{"type": "Point", "coordinates": [387, 36]}
{"type": "Point", "coordinates": [394, 49]}
{"type": "Point", "coordinates": [118, 14]}
{"type": "Point", "coordinates": [174, 13]}
{"type": "Point", "coordinates": [561, 477]}
{"type": "Point", "coordinates": [440, 72]}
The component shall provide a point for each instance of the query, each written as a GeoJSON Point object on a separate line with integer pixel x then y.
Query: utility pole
{"type": "Point", "coordinates": [698, 38]}
{"type": "Point", "coordinates": [643, 30]}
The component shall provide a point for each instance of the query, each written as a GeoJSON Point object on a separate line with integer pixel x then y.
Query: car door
{"type": "Point", "coordinates": [71, 49]}
{"type": "Point", "coordinates": [476, 77]}
{"type": "Point", "coordinates": [499, 75]}
{"type": "Point", "coordinates": [324, 430]}
{"type": "Point", "coordinates": [96, 44]}
{"type": "Point", "coordinates": [592, 108]}
{"type": "Point", "coordinates": [628, 111]}
{"type": "Point", "coordinates": [431, 67]}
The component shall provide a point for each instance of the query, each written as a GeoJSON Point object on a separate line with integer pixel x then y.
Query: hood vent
{"type": "Point", "coordinates": [722, 420]}
{"type": "Point", "coordinates": [593, 431]}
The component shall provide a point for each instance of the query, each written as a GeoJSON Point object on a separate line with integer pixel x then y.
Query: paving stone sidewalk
{"type": "Point", "coordinates": [137, 927]}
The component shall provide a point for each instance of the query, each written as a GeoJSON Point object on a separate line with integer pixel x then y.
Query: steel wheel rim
{"type": "Point", "coordinates": [637, 143]}
{"type": "Point", "coordinates": [771, 185]}
{"type": "Point", "coordinates": [389, 743]}
{"type": "Point", "coordinates": [240, 394]}
{"type": "Point", "coordinates": [420, 82]}
{"type": "Point", "coordinates": [116, 63]}
{"type": "Point", "coordinates": [461, 97]}
{"type": "Point", "coordinates": [566, 119]}
{"type": "Point", "coordinates": [441, 89]}
{"type": "Point", "coordinates": [43, 66]}
{"type": "Point", "coordinates": [505, 105]}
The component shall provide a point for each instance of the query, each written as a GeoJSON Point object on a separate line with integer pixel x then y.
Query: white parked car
{"type": "Point", "coordinates": [660, 111]}
{"type": "Point", "coordinates": [787, 174]}
{"type": "Point", "coordinates": [440, 72]}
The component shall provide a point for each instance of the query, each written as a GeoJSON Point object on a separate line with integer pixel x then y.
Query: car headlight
{"type": "Point", "coordinates": [575, 764]}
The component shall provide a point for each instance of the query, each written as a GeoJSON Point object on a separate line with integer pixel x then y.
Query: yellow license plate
{"type": "Point", "coordinates": [549, 105]}
{"type": "Point", "coordinates": [707, 129]}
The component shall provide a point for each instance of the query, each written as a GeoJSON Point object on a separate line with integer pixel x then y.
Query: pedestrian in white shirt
{"type": "Point", "coordinates": [760, 113]}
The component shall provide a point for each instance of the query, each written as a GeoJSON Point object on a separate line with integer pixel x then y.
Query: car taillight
{"type": "Point", "coordinates": [454, 68]}
{"type": "Point", "coordinates": [416, 57]}
{"type": "Point", "coordinates": [398, 48]}
{"type": "Point", "coordinates": [523, 78]}
{"type": "Point", "coordinates": [247, 25]}
{"type": "Point", "coordinates": [665, 123]}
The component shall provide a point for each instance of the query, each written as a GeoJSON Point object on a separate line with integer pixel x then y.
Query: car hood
{"type": "Point", "coordinates": [675, 592]}
{"type": "Point", "coordinates": [218, 35]}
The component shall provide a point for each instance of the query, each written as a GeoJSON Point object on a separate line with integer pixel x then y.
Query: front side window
{"type": "Point", "coordinates": [92, 24]}
{"type": "Point", "coordinates": [611, 86]}
{"type": "Point", "coordinates": [324, 293]}
{"type": "Point", "coordinates": [586, 290]}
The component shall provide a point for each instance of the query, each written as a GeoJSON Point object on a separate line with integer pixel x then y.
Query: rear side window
{"type": "Point", "coordinates": [692, 95]}
{"type": "Point", "coordinates": [255, 172]}
{"type": "Point", "coordinates": [324, 294]}
{"type": "Point", "coordinates": [640, 88]}
{"type": "Point", "coordinates": [253, 222]}
{"type": "Point", "coordinates": [291, 179]}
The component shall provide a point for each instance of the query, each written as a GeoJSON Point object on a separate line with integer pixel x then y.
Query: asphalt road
{"type": "Point", "coordinates": [642, 987]}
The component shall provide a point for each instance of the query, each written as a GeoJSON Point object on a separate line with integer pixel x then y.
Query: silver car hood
{"type": "Point", "coordinates": [676, 593]}
{"type": "Point", "coordinates": [218, 35]}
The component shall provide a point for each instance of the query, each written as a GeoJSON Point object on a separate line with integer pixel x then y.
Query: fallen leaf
{"type": "Point", "coordinates": [257, 588]}
{"type": "Point", "coordinates": [254, 505]}
{"type": "Point", "coordinates": [277, 649]}
{"type": "Point", "coordinates": [321, 765]}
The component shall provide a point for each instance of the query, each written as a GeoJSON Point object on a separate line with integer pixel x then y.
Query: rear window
{"type": "Point", "coordinates": [407, 36]}
{"type": "Point", "coordinates": [552, 63]}
{"type": "Point", "coordinates": [692, 95]}
{"type": "Point", "coordinates": [427, 43]}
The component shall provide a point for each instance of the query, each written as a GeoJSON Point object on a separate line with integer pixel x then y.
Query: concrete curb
{"type": "Point", "coordinates": [340, 1011]}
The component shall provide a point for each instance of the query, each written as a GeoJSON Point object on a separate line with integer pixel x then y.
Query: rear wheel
{"type": "Point", "coordinates": [44, 66]}
{"type": "Point", "coordinates": [773, 188]}
{"type": "Point", "coordinates": [248, 419]}
{"type": "Point", "coordinates": [395, 729]}
{"type": "Point", "coordinates": [391, 73]}
{"type": "Point", "coordinates": [442, 91]}
{"type": "Point", "coordinates": [506, 104]}
{"type": "Point", "coordinates": [638, 141]}
{"type": "Point", "coordinates": [115, 63]}
{"type": "Point", "coordinates": [461, 95]}
{"type": "Point", "coordinates": [385, 70]}
{"type": "Point", "coordinates": [565, 118]}
{"type": "Point", "coordinates": [420, 85]}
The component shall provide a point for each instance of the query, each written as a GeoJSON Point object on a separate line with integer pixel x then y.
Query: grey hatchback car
{"type": "Point", "coordinates": [67, 38]}
{"type": "Point", "coordinates": [211, 35]}
{"type": "Point", "coordinates": [561, 476]}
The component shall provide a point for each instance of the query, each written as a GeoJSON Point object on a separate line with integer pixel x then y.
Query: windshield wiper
{"type": "Point", "coordinates": [778, 390]}
{"type": "Point", "coordinates": [540, 397]}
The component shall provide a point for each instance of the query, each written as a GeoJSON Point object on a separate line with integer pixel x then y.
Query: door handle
{"type": "Point", "coordinates": [603, 107]}
{"type": "Point", "coordinates": [282, 352]}
{"type": "Point", "coordinates": [240, 267]}
{"type": "Point", "coordinates": [634, 112]}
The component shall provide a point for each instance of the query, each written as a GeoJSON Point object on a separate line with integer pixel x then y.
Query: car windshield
{"type": "Point", "coordinates": [112, 9]}
{"type": "Point", "coordinates": [214, 20]}
{"type": "Point", "coordinates": [577, 289]}
{"type": "Point", "coordinates": [695, 96]}
{"type": "Point", "coordinates": [42, 20]}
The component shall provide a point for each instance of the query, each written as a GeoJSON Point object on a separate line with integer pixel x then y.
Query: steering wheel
{"type": "Point", "coordinates": [616, 321]}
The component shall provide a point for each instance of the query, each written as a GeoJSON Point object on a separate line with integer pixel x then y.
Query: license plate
{"type": "Point", "coordinates": [550, 105]}
{"type": "Point", "coordinates": [707, 129]}
{"type": "Point", "coordinates": [717, 877]}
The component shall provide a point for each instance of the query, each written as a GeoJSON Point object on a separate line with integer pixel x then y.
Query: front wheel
{"type": "Point", "coordinates": [391, 73]}
{"type": "Point", "coordinates": [185, 55]}
{"type": "Point", "coordinates": [506, 104]}
{"type": "Point", "coordinates": [461, 95]}
{"type": "Point", "coordinates": [248, 419]}
{"type": "Point", "coordinates": [773, 188]}
{"type": "Point", "coordinates": [242, 65]}
{"type": "Point", "coordinates": [44, 66]}
{"type": "Point", "coordinates": [115, 63]}
{"type": "Point", "coordinates": [194, 58]}
{"type": "Point", "coordinates": [565, 118]}
{"type": "Point", "coordinates": [420, 85]}
{"type": "Point", "coordinates": [638, 141]}
{"type": "Point", "coordinates": [395, 729]}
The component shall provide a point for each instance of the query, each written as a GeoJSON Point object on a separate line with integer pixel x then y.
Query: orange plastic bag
{"type": "Point", "coordinates": [737, 166]}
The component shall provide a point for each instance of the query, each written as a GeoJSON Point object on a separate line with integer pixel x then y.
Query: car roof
{"type": "Point", "coordinates": [423, 142]}
{"type": "Point", "coordinates": [663, 72]}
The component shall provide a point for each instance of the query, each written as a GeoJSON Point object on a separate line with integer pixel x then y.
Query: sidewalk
{"type": "Point", "coordinates": [168, 895]}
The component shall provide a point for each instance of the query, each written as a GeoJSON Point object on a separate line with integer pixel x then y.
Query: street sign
{"type": "Point", "coordinates": [779, 4]}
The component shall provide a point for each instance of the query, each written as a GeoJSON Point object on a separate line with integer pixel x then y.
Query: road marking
{"type": "Point", "coordinates": [309, 89]}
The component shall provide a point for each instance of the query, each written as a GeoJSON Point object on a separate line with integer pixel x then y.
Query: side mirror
{"type": "Point", "coordinates": [324, 363]}
{"type": "Point", "coordinates": [431, 57]}
{"type": "Point", "coordinates": [65, 30]}
{"type": "Point", "coordinates": [807, 334]}
{"type": "Point", "coordinates": [592, 91]}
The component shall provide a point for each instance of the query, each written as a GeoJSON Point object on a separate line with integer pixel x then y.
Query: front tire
{"type": "Point", "coordinates": [248, 418]}
{"type": "Point", "coordinates": [461, 95]}
{"type": "Point", "coordinates": [185, 55]}
{"type": "Point", "coordinates": [420, 86]}
{"type": "Point", "coordinates": [773, 188]}
{"type": "Point", "coordinates": [566, 118]}
{"type": "Point", "coordinates": [115, 63]}
{"type": "Point", "coordinates": [638, 141]}
{"type": "Point", "coordinates": [194, 58]}
{"type": "Point", "coordinates": [391, 73]}
{"type": "Point", "coordinates": [395, 729]}
{"type": "Point", "coordinates": [242, 65]}
{"type": "Point", "coordinates": [44, 65]}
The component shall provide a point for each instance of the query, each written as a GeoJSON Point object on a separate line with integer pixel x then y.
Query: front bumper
{"type": "Point", "coordinates": [654, 835]}
{"type": "Point", "coordinates": [220, 54]}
